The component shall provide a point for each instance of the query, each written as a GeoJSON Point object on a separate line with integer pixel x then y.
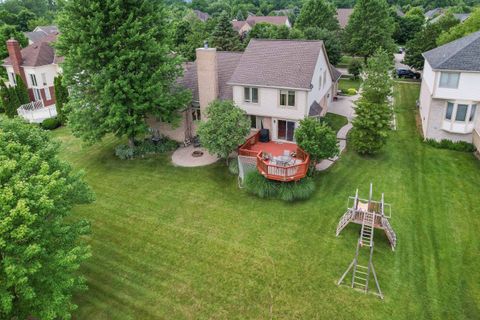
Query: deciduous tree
{"type": "Point", "coordinates": [317, 14]}
{"type": "Point", "coordinates": [61, 97]}
{"type": "Point", "coordinates": [377, 83]}
{"type": "Point", "coordinates": [472, 24]}
{"type": "Point", "coordinates": [118, 67]}
{"type": "Point", "coordinates": [225, 129]}
{"type": "Point", "coordinates": [317, 139]}
{"type": "Point", "coordinates": [370, 27]}
{"type": "Point", "coordinates": [40, 245]}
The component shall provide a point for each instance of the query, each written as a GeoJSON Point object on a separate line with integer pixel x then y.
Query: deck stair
{"type": "Point", "coordinates": [361, 267]}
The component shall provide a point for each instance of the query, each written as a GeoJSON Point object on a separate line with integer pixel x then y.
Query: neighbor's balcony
{"type": "Point", "coordinates": [280, 161]}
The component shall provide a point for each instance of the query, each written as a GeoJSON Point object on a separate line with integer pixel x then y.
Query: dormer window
{"type": "Point", "coordinates": [250, 94]}
{"type": "Point", "coordinates": [287, 98]}
{"type": "Point", "coordinates": [449, 80]}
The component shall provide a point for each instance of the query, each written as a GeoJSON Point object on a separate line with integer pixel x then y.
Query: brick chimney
{"type": "Point", "coordinates": [15, 54]}
{"type": "Point", "coordinates": [207, 71]}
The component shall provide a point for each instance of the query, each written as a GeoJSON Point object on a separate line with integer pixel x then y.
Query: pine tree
{"type": "Point", "coordinates": [40, 247]}
{"type": "Point", "coordinates": [224, 38]}
{"type": "Point", "coordinates": [22, 91]}
{"type": "Point", "coordinates": [370, 27]}
{"type": "Point", "coordinates": [118, 67]}
{"type": "Point", "coordinates": [317, 14]}
{"type": "Point", "coordinates": [61, 97]}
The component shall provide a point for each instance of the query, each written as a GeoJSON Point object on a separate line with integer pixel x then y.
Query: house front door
{"type": "Point", "coordinates": [286, 130]}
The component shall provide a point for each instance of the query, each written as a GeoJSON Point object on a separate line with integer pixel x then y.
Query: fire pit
{"type": "Point", "coordinates": [197, 154]}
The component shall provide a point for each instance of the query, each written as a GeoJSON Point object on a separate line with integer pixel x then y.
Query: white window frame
{"type": "Point", "coordinates": [48, 96]}
{"type": "Point", "coordinates": [13, 78]}
{"type": "Point", "coordinates": [44, 78]}
{"type": "Point", "coordinates": [287, 94]}
{"type": "Point", "coordinates": [460, 126]}
{"type": "Point", "coordinates": [37, 94]}
{"type": "Point", "coordinates": [33, 80]}
{"type": "Point", "coordinates": [249, 97]}
{"type": "Point", "coordinates": [286, 129]}
{"type": "Point", "coordinates": [446, 80]}
{"type": "Point", "coordinates": [258, 121]}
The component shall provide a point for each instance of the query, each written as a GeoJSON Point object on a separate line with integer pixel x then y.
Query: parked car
{"type": "Point", "coordinates": [408, 74]}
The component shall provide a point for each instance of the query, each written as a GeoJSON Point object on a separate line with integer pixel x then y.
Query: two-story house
{"type": "Point", "coordinates": [277, 83]}
{"type": "Point", "coordinates": [450, 92]}
{"type": "Point", "coordinates": [37, 65]}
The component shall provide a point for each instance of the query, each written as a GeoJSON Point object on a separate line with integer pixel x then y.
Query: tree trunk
{"type": "Point", "coordinates": [131, 142]}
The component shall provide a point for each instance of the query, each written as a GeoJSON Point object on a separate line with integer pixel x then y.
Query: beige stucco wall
{"type": "Point", "coordinates": [269, 103]}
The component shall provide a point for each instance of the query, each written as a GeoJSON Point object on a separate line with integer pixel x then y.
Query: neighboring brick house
{"type": "Point", "coordinates": [243, 27]}
{"type": "Point", "coordinates": [276, 82]}
{"type": "Point", "coordinates": [37, 65]}
{"type": "Point", "coordinates": [450, 92]}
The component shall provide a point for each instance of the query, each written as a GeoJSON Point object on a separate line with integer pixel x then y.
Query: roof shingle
{"type": "Point", "coordinates": [278, 63]}
{"type": "Point", "coordinates": [460, 55]}
{"type": "Point", "coordinates": [37, 54]}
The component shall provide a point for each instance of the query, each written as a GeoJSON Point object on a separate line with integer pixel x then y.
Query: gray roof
{"type": "Point", "coordinates": [336, 74]}
{"type": "Point", "coordinates": [315, 110]}
{"type": "Point", "coordinates": [343, 16]}
{"type": "Point", "coordinates": [461, 55]}
{"type": "Point", "coordinates": [432, 13]}
{"type": "Point", "coordinates": [278, 63]}
{"type": "Point", "coordinates": [226, 62]}
{"type": "Point", "coordinates": [459, 16]}
{"type": "Point", "coordinates": [201, 15]}
{"type": "Point", "coordinates": [41, 32]}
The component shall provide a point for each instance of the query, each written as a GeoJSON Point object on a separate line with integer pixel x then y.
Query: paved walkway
{"type": "Point", "coordinates": [344, 106]}
{"type": "Point", "coordinates": [182, 157]}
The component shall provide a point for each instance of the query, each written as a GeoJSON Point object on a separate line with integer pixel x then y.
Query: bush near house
{"type": "Point", "coordinates": [144, 148]}
{"type": "Point", "coordinates": [461, 146]}
{"type": "Point", "coordinates": [50, 124]}
{"type": "Point", "coordinates": [258, 185]}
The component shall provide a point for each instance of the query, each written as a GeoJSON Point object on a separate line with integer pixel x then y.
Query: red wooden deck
{"type": "Point", "coordinates": [254, 148]}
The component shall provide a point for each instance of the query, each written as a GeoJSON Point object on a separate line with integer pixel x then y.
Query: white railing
{"type": "Point", "coordinates": [36, 112]}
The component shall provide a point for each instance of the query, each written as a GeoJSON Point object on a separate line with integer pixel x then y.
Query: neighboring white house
{"type": "Point", "coordinates": [450, 92]}
{"type": "Point", "coordinates": [277, 83]}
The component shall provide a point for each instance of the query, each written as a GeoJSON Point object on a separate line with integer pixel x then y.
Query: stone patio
{"type": "Point", "coordinates": [183, 157]}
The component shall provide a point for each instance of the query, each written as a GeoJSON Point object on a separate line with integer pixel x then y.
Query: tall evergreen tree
{"type": "Point", "coordinates": [317, 14]}
{"type": "Point", "coordinates": [22, 91]}
{"type": "Point", "coordinates": [118, 67]}
{"type": "Point", "coordinates": [40, 247]}
{"type": "Point", "coordinates": [61, 97]}
{"type": "Point", "coordinates": [224, 37]}
{"type": "Point", "coordinates": [370, 27]}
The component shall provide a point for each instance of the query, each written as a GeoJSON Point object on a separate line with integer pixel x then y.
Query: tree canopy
{"type": "Point", "coordinates": [362, 38]}
{"type": "Point", "coordinates": [225, 129]}
{"type": "Point", "coordinates": [318, 14]}
{"type": "Point", "coordinates": [224, 37]}
{"type": "Point", "coordinates": [118, 67]}
{"type": "Point", "coordinates": [472, 24]}
{"type": "Point", "coordinates": [40, 248]}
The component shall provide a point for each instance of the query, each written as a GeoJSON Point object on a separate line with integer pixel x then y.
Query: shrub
{"type": "Point", "coordinates": [233, 167]}
{"type": "Point", "coordinates": [146, 147]}
{"type": "Point", "coordinates": [461, 146]}
{"type": "Point", "coordinates": [258, 185]}
{"type": "Point", "coordinates": [355, 68]}
{"type": "Point", "coordinates": [50, 124]}
{"type": "Point", "coordinates": [351, 91]}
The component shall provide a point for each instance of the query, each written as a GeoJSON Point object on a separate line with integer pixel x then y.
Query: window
{"type": "Point", "coordinates": [461, 114]}
{"type": "Point", "coordinates": [320, 84]}
{"type": "Point", "coordinates": [196, 114]}
{"type": "Point", "coordinates": [250, 94]}
{"type": "Point", "coordinates": [449, 80]}
{"type": "Point", "coordinates": [286, 130]}
{"type": "Point", "coordinates": [256, 122]}
{"type": "Point", "coordinates": [47, 94]}
{"type": "Point", "coordinates": [44, 79]}
{"type": "Point", "coordinates": [287, 98]}
{"type": "Point", "coordinates": [37, 94]}
{"type": "Point", "coordinates": [13, 78]}
{"type": "Point", "coordinates": [472, 112]}
{"type": "Point", "coordinates": [448, 116]}
{"type": "Point", "coordinates": [324, 77]}
{"type": "Point", "coordinates": [33, 79]}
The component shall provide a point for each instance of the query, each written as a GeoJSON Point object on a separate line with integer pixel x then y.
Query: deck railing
{"type": "Point", "coordinates": [36, 112]}
{"type": "Point", "coordinates": [245, 150]}
{"type": "Point", "coordinates": [283, 173]}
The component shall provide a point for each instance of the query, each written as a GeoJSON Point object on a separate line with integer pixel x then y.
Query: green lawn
{"type": "Point", "coordinates": [346, 60]}
{"type": "Point", "coordinates": [344, 84]}
{"type": "Point", "coordinates": [177, 243]}
{"type": "Point", "coordinates": [335, 121]}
